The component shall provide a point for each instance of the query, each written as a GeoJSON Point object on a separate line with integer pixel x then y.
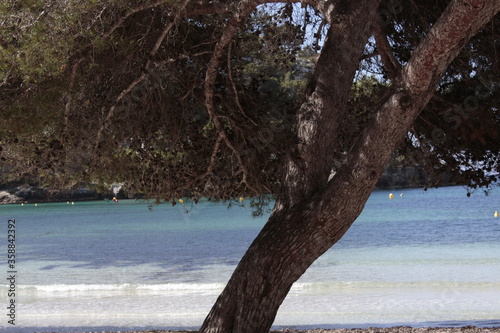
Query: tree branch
{"type": "Point", "coordinates": [310, 161]}
{"type": "Point", "coordinates": [211, 75]}
{"type": "Point", "coordinates": [392, 66]}
{"type": "Point", "coordinates": [143, 75]}
{"type": "Point", "coordinates": [211, 164]}
{"type": "Point", "coordinates": [413, 88]}
{"type": "Point", "coordinates": [241, 10]}
{"type": "Point", "coordinates": [196, 10]}
{"type": "Point", "coordinates": [233, 86]}
{"type": "Point", "coordinates": [131, 12]}
{"type": "Point", "coordinates": [6, 78]}
{"type": "Point", "coordinates": [67, 107]}
{"type": "Point", "coordinates": [461, 20]}
{"type": "Point", "coordinates": [111, 110]}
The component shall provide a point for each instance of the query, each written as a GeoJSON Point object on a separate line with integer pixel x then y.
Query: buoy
{"type": "Point", "coordinates": [73, 203]}
{"type": "Point", "coordinates": [36, 205]}
{"type": "Point", "coordinates": [181, 201]}
{"type": "Point", "coordinates": [67, 202]}
{"type": "Point", "coordinates": [496, 214]}
{"type": "Point", "coordinates": [241, 199]}
{"type": "Point", "coordinates": [22, 204]}
{"type": "Point", "coordinates": [115, 199]}
{"type": "Point", "coordinates": [391, 196]}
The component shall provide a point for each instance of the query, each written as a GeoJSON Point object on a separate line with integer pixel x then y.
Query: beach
{"type": "Point", "coordinates": [397, 329]}
{"type": "Point", "coordinates": [423, 259]}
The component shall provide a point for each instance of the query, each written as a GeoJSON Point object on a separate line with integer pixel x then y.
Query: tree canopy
{"type": "Point", "coordinates": [107, 91]}
{"type": "Point", "coordinates": [120, 97]}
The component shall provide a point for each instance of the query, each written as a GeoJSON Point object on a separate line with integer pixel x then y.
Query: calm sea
{"type": "Point", "coordinates": [423, 258]}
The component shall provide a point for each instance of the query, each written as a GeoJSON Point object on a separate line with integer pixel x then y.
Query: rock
{"type": "Point", "coordinates": [77, 194]}
{"type": "Point", "coordinates": [8, 198]}
{"type": "Point", "coordinates": [27, 193]}
{"type": "Point", "coordinates": [117, 191]}
{"type": "Point", "coordinates": [409, 177]}
{"type": "Point", "coordinates": [30, 193]}
{"type": "Point", "coordinates": [401, 178]}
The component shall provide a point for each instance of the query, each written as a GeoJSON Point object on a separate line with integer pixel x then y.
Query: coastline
{"type": "Point", "coordinates": [18, 192]}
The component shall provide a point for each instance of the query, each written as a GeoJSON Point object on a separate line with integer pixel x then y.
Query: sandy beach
{"type": "Point", "coordinates": [399, 329]}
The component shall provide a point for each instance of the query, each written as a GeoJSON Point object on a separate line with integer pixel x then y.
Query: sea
{"type": "Point", "coordinates": [422, 258]}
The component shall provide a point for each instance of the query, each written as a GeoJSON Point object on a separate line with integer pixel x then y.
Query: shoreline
{"type": "Point", "coordinates": [395, 329]}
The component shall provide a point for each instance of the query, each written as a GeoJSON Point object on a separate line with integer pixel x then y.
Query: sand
{"type": "Point", "coordinates": [400, 329]}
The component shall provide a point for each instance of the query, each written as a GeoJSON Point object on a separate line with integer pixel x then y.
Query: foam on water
{"type": "Point", "coordinates": [308, 303]}
{"type": "Point", "coordinates": [51, 289]}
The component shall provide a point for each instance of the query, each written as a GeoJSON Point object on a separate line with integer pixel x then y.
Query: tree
{"type": "Point", "coordinates": [176, 97]}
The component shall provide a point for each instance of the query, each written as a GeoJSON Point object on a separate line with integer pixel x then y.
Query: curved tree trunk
{"type": "Point", "coordinates": [309, 218]}
{"type": "Point", "coordinates": [293, 237]}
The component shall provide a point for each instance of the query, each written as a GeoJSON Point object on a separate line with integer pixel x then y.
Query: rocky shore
{"type": "Point", "coordinates": [392, 178]}
{"type": "Point", "coordinates": [34, 194]}
{"type": "Point", "coordinates": [27, 193]}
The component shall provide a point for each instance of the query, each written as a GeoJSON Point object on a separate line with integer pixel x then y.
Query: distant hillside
{"type": "Point", "coordinates": [392, 177]}
{"type": "Point", "coordinates": [406, 177]}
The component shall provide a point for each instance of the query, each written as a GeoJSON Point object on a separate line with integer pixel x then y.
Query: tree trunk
{"type": "Point", "coordinates": [318, 120]}
{"type": "Point", "coordinates": [302, 227]}
{"type": "Point", "coordinates": [293, 237]}
{"type": "Point", "coordinates": [288, 244]}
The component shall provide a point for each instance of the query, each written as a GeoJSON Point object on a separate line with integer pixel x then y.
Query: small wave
{"type": "Point", "coordinates": [58, 288]}
{"type": "Point", "coordinates": [331, 285]}
{"type": "Point", "coordinates": [182, 286]}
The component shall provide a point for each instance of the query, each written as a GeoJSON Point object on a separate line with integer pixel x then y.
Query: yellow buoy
{"type": "Point", "coordinates": [181, 201]}
{"type": "Point", "coordinates": [36, 205]}
{"type": "Point", "coordinates": [391, 196]}
{"type": "Point", "coordinates": [241, 199]}
{"type": "Point", "coordinates": [496, 214]}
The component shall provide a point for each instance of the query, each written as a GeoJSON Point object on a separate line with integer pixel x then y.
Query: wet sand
{"type": "Point", "coordinates": [399, 329]}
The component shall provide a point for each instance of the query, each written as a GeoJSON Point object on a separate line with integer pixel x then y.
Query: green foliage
{"type": "Point", "coordinates": [366, 92]}
{"type": "Point", "coordinates": [158, 138]}
{"type": "Point", "coordinates": [84, 97]}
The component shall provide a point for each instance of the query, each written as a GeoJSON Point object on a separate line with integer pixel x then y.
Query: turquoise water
{"type": "Point", "coordinates": [423, 258]}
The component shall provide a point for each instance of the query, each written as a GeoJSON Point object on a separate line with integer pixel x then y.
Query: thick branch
{"type": "Point", "coordinates": [461, 20]}
{"type": "Point", "coordinates": [319, 118]}
{"type": "Point", "coordinates": [392, 66]}
{"type": "Point", "coordinates": [241, 10]}
{"type": "Point", "coordinates": [413, 89]}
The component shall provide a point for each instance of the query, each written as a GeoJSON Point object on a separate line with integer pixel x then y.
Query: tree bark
{"type": "Point", "coordinates": [310, 163]}
{"type": "Point", "coordinates": [303, 227]}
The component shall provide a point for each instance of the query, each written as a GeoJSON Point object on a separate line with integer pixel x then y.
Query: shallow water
{"type": "Point", "coordinates": [422, 258]}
